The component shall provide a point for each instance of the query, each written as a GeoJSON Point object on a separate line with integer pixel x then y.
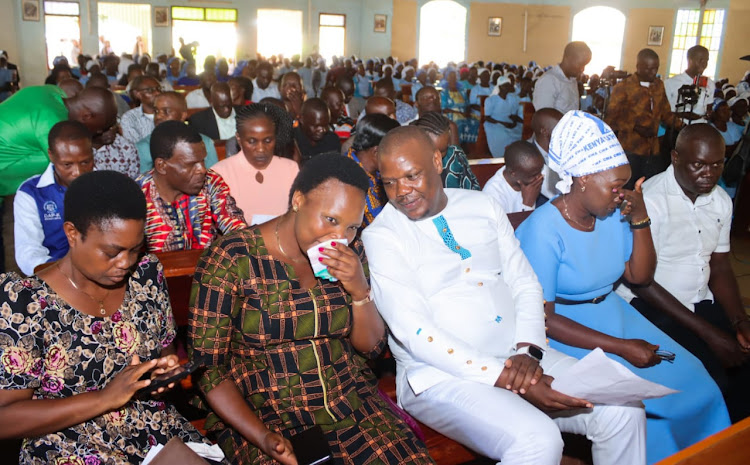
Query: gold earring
{"type": "Point", "coordinates": [583, 188]}
{"type": "Point", "coordinates": [295, 208]}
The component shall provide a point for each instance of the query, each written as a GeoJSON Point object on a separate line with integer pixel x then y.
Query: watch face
{"type": "Point", "coordinates": [536, 352]}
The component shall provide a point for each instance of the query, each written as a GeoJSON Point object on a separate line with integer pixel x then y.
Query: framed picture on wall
{"type": "Point", "coordinates": [30, 10]}
{"type": "Point", "coordinates": [655, 35]}
{"type": "Point", "coordinates": [380, 23]}
{"type": "Point", "coordinates": [161, 16]}
{"type": "Point", "coordinates": [495, 26]}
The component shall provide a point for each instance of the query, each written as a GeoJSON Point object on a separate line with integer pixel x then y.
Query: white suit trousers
{"type": "Point", "coordinates": [503, 426]}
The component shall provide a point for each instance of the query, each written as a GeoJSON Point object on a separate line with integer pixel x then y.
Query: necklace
{"type": "Point", "coordinates": [278, 243]}
{"type": "Point", "coordinates": [567, 215]}
{"type": "Point", "coordinates": [102, 310]}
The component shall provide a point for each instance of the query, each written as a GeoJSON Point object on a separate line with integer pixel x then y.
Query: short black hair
{"type": "Point", "coordinates": [68, 130]}
{"type": "Point", "coordinates": [370, 130]}
{"type": "Point", "coordinates": [99, 196]}
{"type": "Point", "coordinates": [167, 135]}
{"type": "Point", "coordinates": [647, 53]}
{"type": "Point", "coordinates": [281, 120]}
{"type": "Point", "coordinates": [695, 50]}
{"type": "Point", "coordinates": [520, 153]}
{"type": "Point", "coordinates": [247, 86]}
{"type": "Point", "coordinates": [329, 165]}
{"type": "Point", "coordinates": [433, 123]}
{"type": "Point", "coordinates": [315, 104]}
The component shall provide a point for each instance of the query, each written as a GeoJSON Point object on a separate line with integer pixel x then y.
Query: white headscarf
{"type": "Point", "coordinates": [582, 144]}
{"type": "Point", "coordinates": [500, 81]}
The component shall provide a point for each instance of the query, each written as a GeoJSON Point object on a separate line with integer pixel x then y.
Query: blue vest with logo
{"type": "Point", "coordinates": [49, 206]}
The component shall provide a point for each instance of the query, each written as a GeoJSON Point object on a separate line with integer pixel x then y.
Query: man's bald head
{"type": "Point", "coordinates": [410, 168]}
{"type": "Point", "coordinates": [381, 105]}
{"type": "Point", "coordinates": [543, 122]}
{"type": "Point", "coordinates": [521, 155]}
{"type": "Point", "coordinates": [575, 58]}
{"type": "Point", "coordinates": [94, 107]}
{"type": "Point", "coordinates": [698, 159]}
{"type": "Point", "coordinates": [221, 99]}
{"type": "Point", "coordinates": [169, 106]}
{"type": "Point", "coordinates": [70, 86]}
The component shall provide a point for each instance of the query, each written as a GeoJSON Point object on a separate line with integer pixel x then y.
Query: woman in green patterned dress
{"type": "Point", "coordinates": [286, 350]}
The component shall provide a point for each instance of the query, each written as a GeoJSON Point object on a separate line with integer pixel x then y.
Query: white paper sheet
{"type": "Point", "coordinates": [601, 380]}
{"type": "Point", "coordinates": [211, 452]}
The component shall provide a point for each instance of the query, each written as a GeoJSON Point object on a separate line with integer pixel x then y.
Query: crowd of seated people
{"type": "Point", "coordinates": [339, 213]}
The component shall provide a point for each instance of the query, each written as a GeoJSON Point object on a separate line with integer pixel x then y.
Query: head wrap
{"type": "Point", "coordinates": [601, 92]}
{"type": "Point", "coordinates": [406, 70]}
{"type": "Point", "coordinates": [734, 100]}
{"type": "Point", "coordinates": [59, 60]}
{"type": "Point", "coordinates": [482, 70]}
{"type": "Point", "coordinates": [717, 103]}
{"type": "Point", "coordinates": [727, 86]}
{"type": "Point", "coordinates": [582, 144]}
{"type": "Point", "coordinates": [500, 81]}
{"type": "Point", "coordinates": [90, 64]}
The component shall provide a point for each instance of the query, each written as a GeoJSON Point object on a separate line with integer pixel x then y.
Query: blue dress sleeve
{"type": "Point", "coordinates": [543, 248]}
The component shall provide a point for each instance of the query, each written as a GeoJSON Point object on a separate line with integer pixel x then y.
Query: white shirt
{"type": "Point", "coordinates": [136, 124]}
{"type": "Point", "coordinates": [555, 90]}
{"type": "Point", "coordinates": [196, 99]}
{"type": "Point", "coordinates": [450, 317]}
{"type": "Point", "coordinates": [27, 227]}
{"type": "Point", "coordinates": [705, 95]}
{"type": "Point", "coordinates": [510, 199]}
{"type": "Point", "coordinates": [685, 235]}
{"type": "Point", "coordinates": [227, 126]}
{"type": "Point", "coordinates": [271, 91]}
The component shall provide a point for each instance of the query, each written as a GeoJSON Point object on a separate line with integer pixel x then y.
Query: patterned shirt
{"type": "Point", "coordinates": [632, 104]}
{"type": "Point", "coordinates": [376, 196]}
{"type": "Point", "coordinates": [136, 125]}
{"type": "Point", "coordinates": [121, 156]}
{"type": "Point", "coordinates": [191, 221]}
{"type": "Point", "coordinates": [456, 170]}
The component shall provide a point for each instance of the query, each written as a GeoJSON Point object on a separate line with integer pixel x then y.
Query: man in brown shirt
{"type": "Point", "coordinates": [636, 107]}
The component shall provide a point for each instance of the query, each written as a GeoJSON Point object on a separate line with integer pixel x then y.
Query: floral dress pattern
{"type": "Point", "coordinates": [287, 348]}
{"type": "Point", "coordinates": [50, 347]}
{"type": "Point", "coordinates": [468, 128]}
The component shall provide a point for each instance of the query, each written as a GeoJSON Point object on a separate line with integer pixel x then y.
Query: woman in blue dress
{"type": "Point", "coordinates": [579, 246]}
{"type": "Point", "coordinates": [501, 116]}
{"type": "Point", "coordinates": [454, 101]}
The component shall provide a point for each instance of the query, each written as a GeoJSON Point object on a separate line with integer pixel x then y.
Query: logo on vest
{"type": "Point", "coordinates": [51, 212]}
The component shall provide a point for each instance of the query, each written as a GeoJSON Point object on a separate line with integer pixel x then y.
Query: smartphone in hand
{"type": "Point", "coordinates": [172, 376]}
{"type": "Point", "coordinates": [311, 447]}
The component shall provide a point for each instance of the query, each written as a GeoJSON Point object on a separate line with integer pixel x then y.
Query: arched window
{"type": "Point", "coordinates": [442, 32]}
{"type": "Point", "coordinates": [602, 28]}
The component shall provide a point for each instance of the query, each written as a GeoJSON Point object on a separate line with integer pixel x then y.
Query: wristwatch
{"type": "Point", "coordinates": [532, 351]}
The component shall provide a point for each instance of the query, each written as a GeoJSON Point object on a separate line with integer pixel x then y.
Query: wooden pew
{"type": "Point", "coordinates": [192, 111]}
{"type": "Point", "coordinates": [406, 92]}
{"type": "Point", "coordinates": [221, 149]}
{"type": "Point", "coordinates": [185, 89]}
{"type": "Point", "coordinates": [179, 267]}
{"type": "Point", "coordinates": [485, 168]}
{"type": "Point", "coordinates": [480, 148]}
{"type": "Point", "coordinates": [728, 447]}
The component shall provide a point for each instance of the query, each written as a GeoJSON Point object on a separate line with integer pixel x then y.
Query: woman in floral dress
{"type": "Point", "coordinates": [285, 349]}
{"type": "Point", "coordinates": [76, 338]}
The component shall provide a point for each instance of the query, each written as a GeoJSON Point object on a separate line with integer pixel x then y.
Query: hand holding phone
{"type": "Point", "coordinates": [665, 355]}
{"type": "Point", "coordinates": [311, 447]}
{"type": "Point", "coordinates": [172, 376]}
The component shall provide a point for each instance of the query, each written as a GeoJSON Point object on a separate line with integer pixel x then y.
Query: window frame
{"type": "Point", "coordinates": [204, 10]}
{"type": "Point", "coordinates": [321, 26]}
{"type": "Point", "coordinates": [78, 6]}
{"type": "Point", "coordinates": [699, 37]}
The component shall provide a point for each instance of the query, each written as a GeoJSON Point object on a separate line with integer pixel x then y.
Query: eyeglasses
{"type": "Point", "coordinates": [150, 90]}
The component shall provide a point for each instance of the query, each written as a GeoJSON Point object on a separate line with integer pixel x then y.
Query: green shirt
{"type": "Point", "coordinates": [25, 121]}
{"type": "Point", "coordinates": [147, 163]}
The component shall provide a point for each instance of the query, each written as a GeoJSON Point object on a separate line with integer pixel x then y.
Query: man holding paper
{"type": "Point", "coordinates": [464, 310]}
